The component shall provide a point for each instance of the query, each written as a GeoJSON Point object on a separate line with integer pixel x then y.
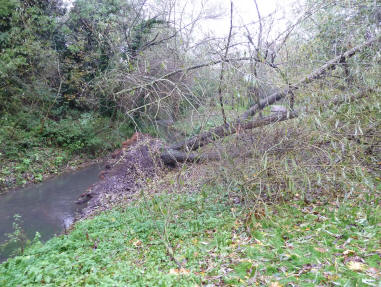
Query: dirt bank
{"type": "Point", "coordinates": [123, 176]}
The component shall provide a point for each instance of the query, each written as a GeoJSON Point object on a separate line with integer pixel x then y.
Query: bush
{"type": "Point", "coordinates": [77, 135]}
{"type": "Point", "coordinates": [28, 151]}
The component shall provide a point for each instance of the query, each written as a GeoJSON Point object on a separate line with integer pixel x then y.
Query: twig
{"type": "Point", "coordinates": [223, 65]}
{"type": "Point", "coordinates": [195, 142]}
{"type": "Point", "coordinates": [225, 130]}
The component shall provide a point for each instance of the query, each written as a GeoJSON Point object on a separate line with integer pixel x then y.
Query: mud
{"type": "Point", "coordinates": [123, 176]}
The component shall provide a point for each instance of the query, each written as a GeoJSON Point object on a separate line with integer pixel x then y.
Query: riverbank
{"type": "Point", "coordinates": [196, 238]}
{"type": "Point", "coordinates": [14, 175]}
{"type": "Point", "coordinates": [123, 176]}
{"type": "Point", "coordinates": [30, 153]}
{"type": "Point", "coordinates": [303, 209]}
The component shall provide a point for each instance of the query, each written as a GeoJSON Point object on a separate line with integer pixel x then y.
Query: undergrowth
{"type": "Point", "coordinates": [201, 238]}
{"type": "Point", "coordinates": [29, 153]}
{"type": "Point", "coordinates": [299, 206]}
{"type": "Point", "coordinates": [325, 154]}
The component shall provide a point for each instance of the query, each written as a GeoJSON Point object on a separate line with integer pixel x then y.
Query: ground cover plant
{"type": "Point", "coordinates": [292, 202]}
{"type": "Point", "coordinates": [30, 154]}
{"type": "Point", "coordinates": [202, 238]}
{"type": "Point", "coordinates": [257, 219]}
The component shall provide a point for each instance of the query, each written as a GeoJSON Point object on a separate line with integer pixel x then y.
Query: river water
{"type": "Point", "coordinates": [48, 207]}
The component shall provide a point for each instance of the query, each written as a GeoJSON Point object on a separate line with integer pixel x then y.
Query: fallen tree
{"type": "Point", "coordinates": [195, 142]}
{"type": "Point", "coordinates": [172, 156]}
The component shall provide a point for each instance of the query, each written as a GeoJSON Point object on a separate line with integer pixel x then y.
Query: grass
{"type": "Point", "coordinates": [213, 242]}
{"type": "Point", "coordinates": [303, 210]}
{"type": "Point", "coordinates": [316, 245]}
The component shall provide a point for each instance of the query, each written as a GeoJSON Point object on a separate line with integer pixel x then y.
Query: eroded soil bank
{"type": "Point", "coordinates": [122, 176]}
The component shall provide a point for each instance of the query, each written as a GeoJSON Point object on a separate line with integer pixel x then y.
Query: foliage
{"type": "Point", "coordinates": [189, 233]}
{"type": "Point", "coordinates": [27, 155]}
{"type": "Point", "coordinates": [59, 71]}
{"type": "Point", "coordinates": [300, 204]}
{"type": "Point", "coordinates": [17, 240]}
{"type": "Point", "coordinates": [339, 25]}
{"type": "Point", "coordinates": [333, 28]}
{"type": "Point", "coordinates": [214, 242]}
{"type": "Point", "coordinates": [26, 28]}
{"type": "Point", "coordinates": [98, 40]}
{"type": "Point", "coordinates": [86, 48]}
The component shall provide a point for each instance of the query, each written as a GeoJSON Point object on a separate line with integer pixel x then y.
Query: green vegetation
{"type": "Point", "coordinates": [29, 154]}
{"type": "Point", "coordinates": [206, 118]}
{"type": "Point", "coordinates": [293, 203]}
{"type": "Point", "coordinates": [55, 108]}
{"type": "Point", "coordinates": [304, 227]}
{"type": "Point", "coordinates": [215, 243]}
{"type": "Point", "coordinates": [76, 82]}
{"type": "Point", "coordinates": [17, 240]}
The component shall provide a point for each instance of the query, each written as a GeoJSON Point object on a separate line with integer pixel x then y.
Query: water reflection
{"type": "Point", "coordinates": [48, 207]}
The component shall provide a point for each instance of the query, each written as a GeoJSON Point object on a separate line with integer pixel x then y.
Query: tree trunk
{"type": "Point", "coordinates": [225, 130]}
{"type": "Point", "coordinates": [208, 136]}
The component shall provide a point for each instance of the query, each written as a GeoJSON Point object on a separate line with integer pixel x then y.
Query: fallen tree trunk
{"type": "Point", "coordinates": [317, 74]}
{"type": "Point", "coordinates": [208, 136]}
{"type": "Point", "coordinates": [173, 155]}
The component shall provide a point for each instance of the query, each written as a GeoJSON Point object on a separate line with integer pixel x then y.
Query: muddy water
{"type": "Point", "coordinates": [48, 207]}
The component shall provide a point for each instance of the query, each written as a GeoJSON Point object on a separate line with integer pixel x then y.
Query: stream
{"type": "Point", "coordinates": [47, 208]}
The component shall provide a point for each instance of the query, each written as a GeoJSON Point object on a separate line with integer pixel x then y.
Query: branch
{"type": "Point", "coordinates": [204, 138]}
{"type": "Point", "coordinates": [259, 43]}
{"type": "Point", "coordinates": [223, 66]}
{"type": "Point", "coordinates": [225, 130]}
{"type": "Point", "coordinates": [173, 157]}
{"type": "Point", "coordinates": [183, 70]}
{"type": "Point", "coordinates": [318, 73]}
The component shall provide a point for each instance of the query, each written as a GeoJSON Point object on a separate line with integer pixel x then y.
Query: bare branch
{"type": "Point", "coordinates": [183, 70]}
{"type": "Point", "coordinates": [318, 73]}
{"type": "Point", "coordinates": [223, 64]}
{"type": "Point", "coordinates": [225, 130]}
{"type": "Point", "coordinates": [202, 139]}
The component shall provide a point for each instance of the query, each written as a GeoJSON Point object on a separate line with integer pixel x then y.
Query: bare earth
{"type": "Point", "coordinates": [123, 176]}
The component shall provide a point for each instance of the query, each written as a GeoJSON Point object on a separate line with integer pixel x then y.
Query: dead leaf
{"type": "Point", "coordinates": [181, 271]}
{"type": "Point", "coordinates": [257, 241]}
{"type": "Point", "coordinates": [259, 214]}
{"type": "Point", "coordinates": [320, 249]}
{"type": "Point", "coordinates": [275, 284]}
{"type": "Point", "coordinates": [307, 268]}
{"type": "Point", "coordinates": [347, 252]}
{"type": "Point", "coordinates": [330, 276]}
{"type": "Point", "coordinates": [348, 259]}
{"type": "Point", "coordinates": [356, 266]}
{"type": "Point", "coordinates": [374, 272]}
{"type": "Point", "coordinates": [137, 243]}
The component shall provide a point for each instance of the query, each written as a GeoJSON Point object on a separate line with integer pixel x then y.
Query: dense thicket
{"type": "Point", "coordinates": [77, 81]}
{"type": "Point", "coordinates": [60, 69]}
